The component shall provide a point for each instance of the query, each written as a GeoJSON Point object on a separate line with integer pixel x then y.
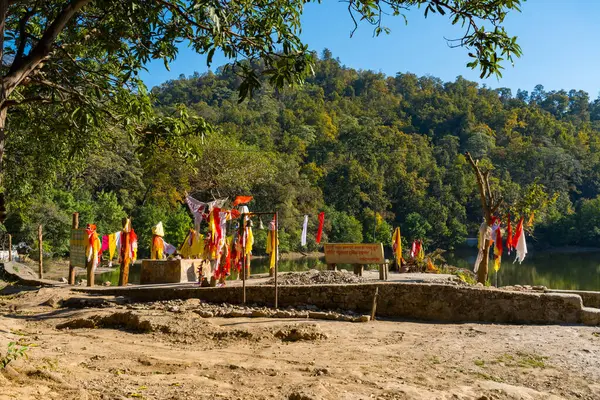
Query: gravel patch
{"type": "Point", "coordinates": [315, 277]}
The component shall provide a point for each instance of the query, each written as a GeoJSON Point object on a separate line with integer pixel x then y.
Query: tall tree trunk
{"type": "Point", "coordinates": [482, 272]}
{"type": "Point", "coordinates": [3, 110]}
{"type": "Point", "coordinates": [489, 205]}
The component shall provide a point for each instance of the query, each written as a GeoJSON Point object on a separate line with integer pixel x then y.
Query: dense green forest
{"type": "Point", "coordinates": [372, 151]}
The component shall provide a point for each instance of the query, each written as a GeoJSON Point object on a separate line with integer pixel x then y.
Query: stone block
{"type": "Point", "coordinates": [168, 271]}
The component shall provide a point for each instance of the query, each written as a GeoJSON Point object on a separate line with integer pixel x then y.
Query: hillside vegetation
{"type": "Point", "coordinates": [372, 151]}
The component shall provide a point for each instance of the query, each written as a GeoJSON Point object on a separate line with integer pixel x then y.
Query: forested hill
{"type": "Point", "coordinates": [360, 142]}
{"type": "Point", "coordinates": [372, 151]}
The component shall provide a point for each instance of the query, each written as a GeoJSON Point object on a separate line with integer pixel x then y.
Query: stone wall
{"type": "Point", "coordinates": [590, 299]}
{"type": "Point", "coordinates": [432, 302]}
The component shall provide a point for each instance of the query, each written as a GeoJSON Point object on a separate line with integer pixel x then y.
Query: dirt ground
{"type": "Point", "coordinates": [147, 352]}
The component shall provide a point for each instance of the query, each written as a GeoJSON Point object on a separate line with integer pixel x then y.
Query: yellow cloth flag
{"type": "Point", "coordinates": [249, 241]}
{"type": "Point", "coordinates": [421, 254]}
{"type": "Point", "coordinates": [197, 248]}
{"type": "Point", "coordinates": [397, 246]}
{"type": "Point", "coordinates": [497, 264]}
{"type": "Point", "coordinates": [112, 245]}
{"type": "Point", "coordinates": [192, 246]}
{"type": "Point", "coordinates": [271, 248]}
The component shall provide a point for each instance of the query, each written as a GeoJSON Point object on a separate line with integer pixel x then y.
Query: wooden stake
{"type": "Point", "coordinates": [91, 278]}
{"type": "Point", "coordinates": [74, 225]}
{"type": "Point", "coordinates": [40, 244]}
{"type": "Point", "coordinates": [374, 304]}
{"type": "Point", "coordinates": [10, 247]}
{"type": "Point", "coordinates": [244, 258]}
{"type": "Point", "coordinates": [124, 273]}
{"type": "Point", "coordinates": [276, 254]}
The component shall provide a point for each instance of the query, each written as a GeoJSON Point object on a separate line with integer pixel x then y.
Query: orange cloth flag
{"type": "Point", "coordinates": [241, 200]}
{"type": "Point", "coordinates": [530, 222]}
{"type": "Point", "coordinates": [157, 248]}
{"type": "Point", "coordinates": [94, 245]}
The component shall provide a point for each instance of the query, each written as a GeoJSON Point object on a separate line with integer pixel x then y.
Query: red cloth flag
{"type": "Point", "coordinates": [241, 200]}
{"type": "Point", "coordinates": [321, 222]}
{"type": "Point", "coordinates": [509, 235]}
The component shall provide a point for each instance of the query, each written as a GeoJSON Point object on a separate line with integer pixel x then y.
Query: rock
{"type": "Point", "coordinates": [63, 280]}
{"type": "Point", "coordinates": [300, 314]}
{"type": "Point", "coordinates": [283, 314]}
{"type": "Point", "coordinates": [193, 302]}
{"type": "Point", "coordinates": [363, 318]}
{"type": "Point", "coordinates": [479, 284]}
{"type": "Point", "coordinates": [84, 302]}
{"type": "Point", "coordinates": [82, 282]}
{"type": "Point", "coordinates": [317, 315]}
{"type": "Point", "coordinates": [295, 333]}
{"type": "Point", "coordinates": [261, 313]}
{"type": "Point", "coordinates": [238, 314]}
{"type": "Point", "coordinates": [204, 314]}
{"type": "Point", "coordinates": [53, 302]}
{"type": "Point", "coordinates": [174, 309]}
{"type": "Point", "coordinates": [107, 283]}
{"type": "Point", "coordinates": [542, 288]}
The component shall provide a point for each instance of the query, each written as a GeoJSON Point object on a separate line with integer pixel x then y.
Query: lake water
{"type": "Point", "coordinates": [575, 269]}
{"type": "Point", "coordinates": [556, 270]}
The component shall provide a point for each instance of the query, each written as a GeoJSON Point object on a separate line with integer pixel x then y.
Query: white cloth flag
{"type": "Point", "coordinates": [304, 229]}
{"type": "Point", "coordinates": [521, 248]}
{"type": "Point", "coordinates": [197, 209]}
{"type": "Point", "coordinates": [218, 203]}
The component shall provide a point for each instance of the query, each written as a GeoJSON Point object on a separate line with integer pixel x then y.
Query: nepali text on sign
{"type": "Point", "coordinates": [78, 243]}
{"type": "Point", "coordinates": [354, 253]}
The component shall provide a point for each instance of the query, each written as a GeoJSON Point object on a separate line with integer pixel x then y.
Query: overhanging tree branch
{"type": "Point", "coordinates": [22, 68]}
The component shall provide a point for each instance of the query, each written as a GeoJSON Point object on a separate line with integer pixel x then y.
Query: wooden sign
{"type": "Point", "coordinates": [79, 241]}
{"type": "Point", "coordinates": [354, 253]}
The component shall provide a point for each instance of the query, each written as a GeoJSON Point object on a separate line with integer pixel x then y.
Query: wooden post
{"type": "Point", "coordinates": [383, 271]}
{"type": "Point", "coordinates": [125, 245]}
{"type": "Point", "coordinates": [74, 225]}
{"type": "Point", "coordinates": [244, 258]}
{"type": "Point", "coordinates": [40, 245]}
{"type": "Point", "coordinates": [276, 254]}
{"type": "Point", "coordinates": [358, 269]}
{"type": "Point", "coordinates": [374, 307]}
{"type": "Point", "coordinates": [91, 278]}
{"type": "Point", "coordinates": [10, 247]}
{"type": "Point", "coordinates": [332, 267]}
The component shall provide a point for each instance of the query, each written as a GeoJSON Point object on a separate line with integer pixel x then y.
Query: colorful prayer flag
{"type": "Point", "coordinates": [241, 200]}
{"type": "Point", "coordinates": [320, 230]}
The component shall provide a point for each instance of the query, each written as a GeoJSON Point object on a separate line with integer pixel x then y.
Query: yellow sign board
{"type": "Point", "coordinates": [79, 241]}
{"type": "Point", "coordinates": [354, 253]}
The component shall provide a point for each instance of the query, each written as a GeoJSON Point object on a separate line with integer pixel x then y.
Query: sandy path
{"type": "Point", "coordinates": [240, 358]}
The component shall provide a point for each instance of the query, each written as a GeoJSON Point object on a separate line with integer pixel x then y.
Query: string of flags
{"type": "Point", "coordinates": [492, 236]}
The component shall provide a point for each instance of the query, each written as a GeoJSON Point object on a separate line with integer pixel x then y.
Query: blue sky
{"type": "Point", "coordinates": [559, 40]}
